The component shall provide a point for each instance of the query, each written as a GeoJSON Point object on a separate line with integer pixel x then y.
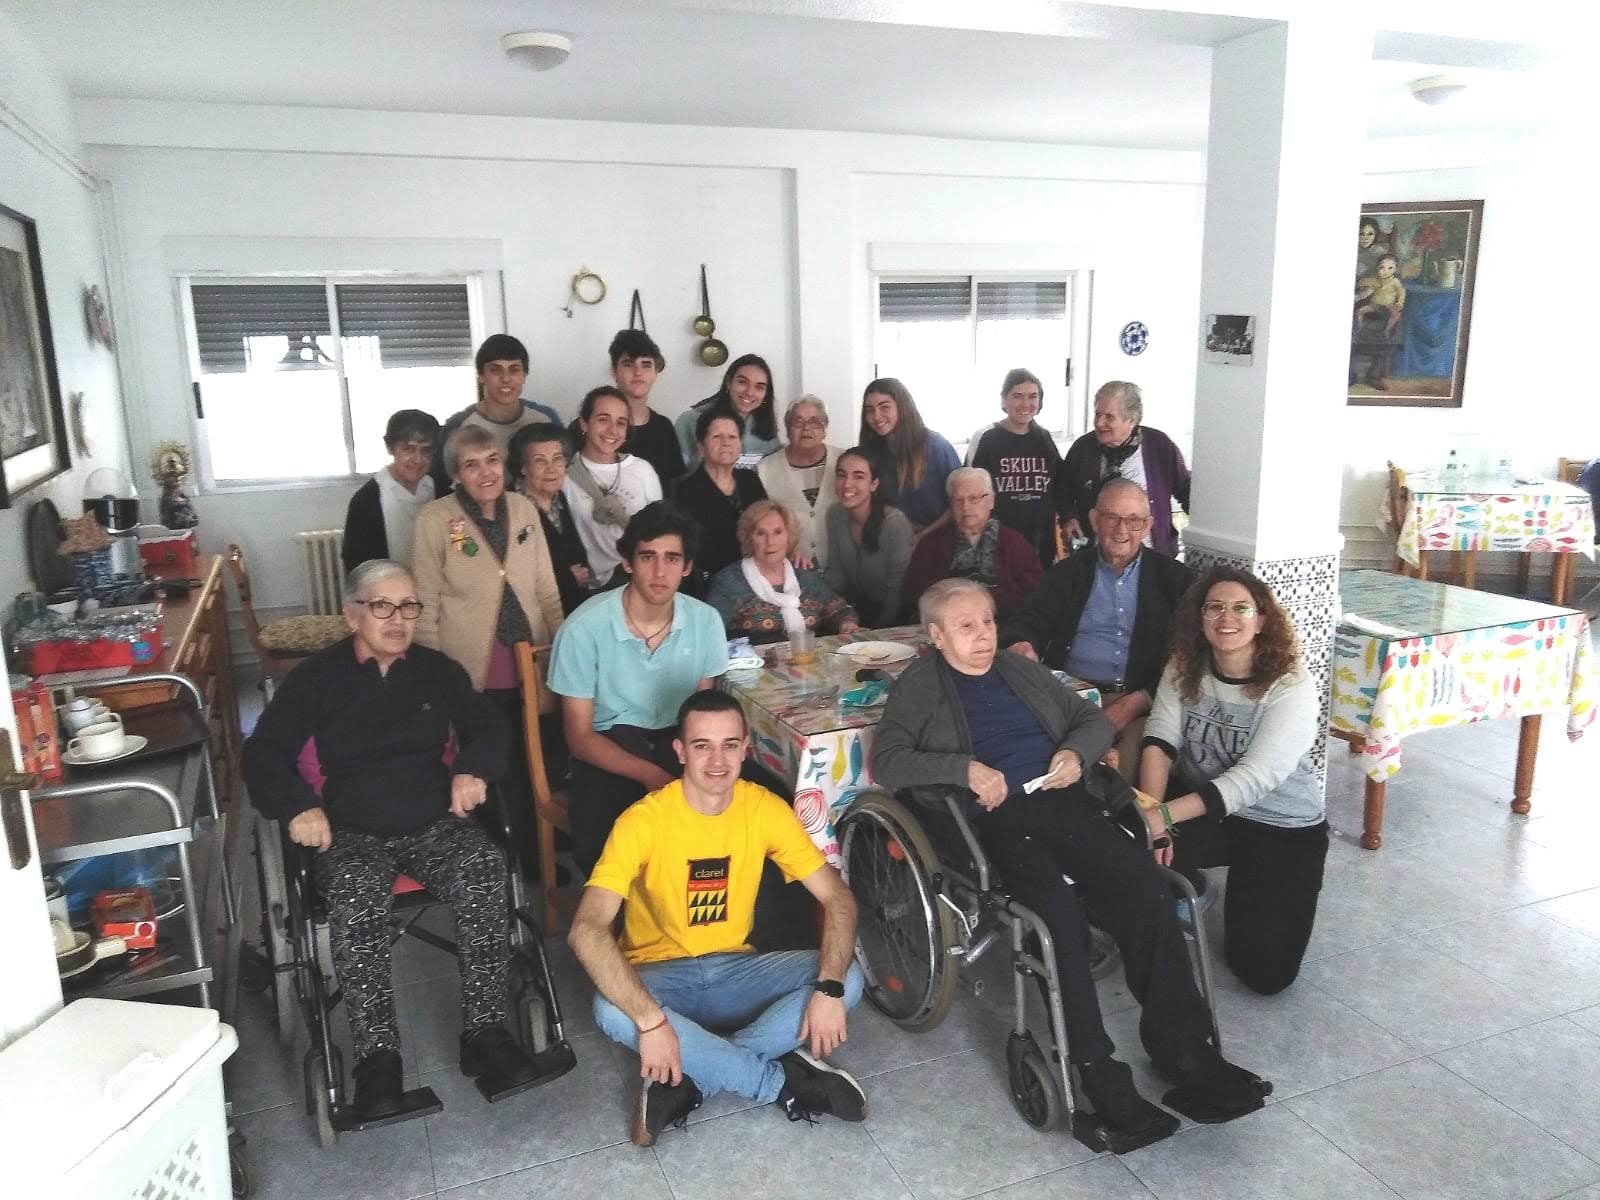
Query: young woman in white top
{"type": "Point", "coordinates": [604, 486]}
{"type": "Point", "coordinates": [1228, 748]}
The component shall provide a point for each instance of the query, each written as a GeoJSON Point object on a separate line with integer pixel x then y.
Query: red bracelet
{"type": "Point", "coordinates": [654, 1027]}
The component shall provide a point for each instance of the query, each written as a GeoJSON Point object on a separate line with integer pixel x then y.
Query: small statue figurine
{"type": "Point", "coordinates": [170, 466]}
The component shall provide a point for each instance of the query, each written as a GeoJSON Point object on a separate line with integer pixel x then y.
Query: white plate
{"type": "Point", "coordinates": [131, 745]}
{"type": "Point", "coordinates": [877, 654]}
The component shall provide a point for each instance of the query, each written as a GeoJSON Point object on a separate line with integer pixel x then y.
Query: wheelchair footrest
{"type": "Point", "coordinates": [418, 1102]}
{"type": "Point", "coordinates": [549, 1064]}
{"type": "Point", "coordinates": [1095, 1134]}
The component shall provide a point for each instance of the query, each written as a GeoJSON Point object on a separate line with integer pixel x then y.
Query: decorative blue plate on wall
{"type": "Point", "coordinates": [1135, 337]}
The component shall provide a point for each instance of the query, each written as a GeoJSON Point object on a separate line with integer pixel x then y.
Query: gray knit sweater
{"type": "Point", "coordinates": [1245, 757]}
{"type": "Point", "coordinates": [923, 738]}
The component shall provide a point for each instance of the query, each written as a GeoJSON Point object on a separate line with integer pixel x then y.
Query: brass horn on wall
{"type": "Point", "coordinates": [712, 352]}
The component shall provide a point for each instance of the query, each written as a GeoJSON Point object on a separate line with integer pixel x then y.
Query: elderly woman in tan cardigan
{"type": "Point", "coordinates": [486, 582]}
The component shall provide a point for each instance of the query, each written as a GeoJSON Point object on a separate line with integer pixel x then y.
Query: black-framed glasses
{"type": "Point", "coordinates": [1212, 610]}
{"type": "Point", "coordinates": [1132, 524]}
{"type": "Point", "coordinates": [384, 609]}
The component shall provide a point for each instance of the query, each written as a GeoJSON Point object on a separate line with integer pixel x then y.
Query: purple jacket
{"type": "Point", "coordinates": [1166, 476]}
{"type": "Point", "coordinates": [1017, 566]}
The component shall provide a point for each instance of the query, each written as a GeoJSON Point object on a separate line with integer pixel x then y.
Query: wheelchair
{"type": "Point", "coordinates": [299, 971]}
{"type": "Point", "coordinates": [931, 903]}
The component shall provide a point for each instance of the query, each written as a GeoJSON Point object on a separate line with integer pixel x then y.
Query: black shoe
{"type": "Point", "coordinates": [493, 1057]}
{"type": "Point", "coordinates": [1130, 1121]}
{"type": "Point", "coordinates": [812, 1088]}
{"type": "Point", "coordinates": [1210, 1089]}
{"type": "Point", "coordinates": [380, 1088]}
{"type": "Point", "coordinates": [661, 1105]}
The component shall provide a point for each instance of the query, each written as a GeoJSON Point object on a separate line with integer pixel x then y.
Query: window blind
{"type": "Point", "coordinates": [227, 314]}
{"type": "Point", "coordinates": [415, 324]}
{"type": "Point", "coordinates": [1021, 301]}
{"type": "Point", "coordinates": [924, 299]}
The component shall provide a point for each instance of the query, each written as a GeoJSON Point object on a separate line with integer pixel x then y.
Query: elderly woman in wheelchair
{"type": "Point", "coordinates": [378, 719]}
{"type": "Point", "coordinates": [1002, 733]}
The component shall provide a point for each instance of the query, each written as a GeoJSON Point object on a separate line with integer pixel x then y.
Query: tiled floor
{"type": "Point", "coordinates": [1442, 1041]}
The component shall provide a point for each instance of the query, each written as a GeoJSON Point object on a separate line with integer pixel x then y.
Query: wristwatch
{"type": "Point", "coordinates": [829, 987]}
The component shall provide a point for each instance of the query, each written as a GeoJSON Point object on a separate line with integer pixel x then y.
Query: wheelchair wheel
{"type": "Point", "coordinates": [319, 1101]}
{"type": "Point", "coordinates": [904, 933]}
{"type": "Point", "coordinates": [529, 1009]}
{"type": "Point", "coordinates": [1035, 1092]}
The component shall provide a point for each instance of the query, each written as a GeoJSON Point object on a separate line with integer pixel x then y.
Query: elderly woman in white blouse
{"type": "Point", "coordinates": [800, 475]}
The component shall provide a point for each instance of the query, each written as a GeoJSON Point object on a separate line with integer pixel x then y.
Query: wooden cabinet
{"type": "Point", "coordinates": [195, 629]}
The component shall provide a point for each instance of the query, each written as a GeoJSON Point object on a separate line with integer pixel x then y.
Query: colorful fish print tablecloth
{"type": "Point", "coordinates": [1545, 518]}
{"type": "Point", "coordinates": [1411, 655]}
{"type": "Point", "coordinates": [801, 733]}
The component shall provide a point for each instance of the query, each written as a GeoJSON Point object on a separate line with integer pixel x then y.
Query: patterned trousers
{"type": "Point", "coordinates": [455, 860]}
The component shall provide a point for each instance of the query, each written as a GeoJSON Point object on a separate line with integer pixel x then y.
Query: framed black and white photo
{"type": "Point", "coordinates": [33, 435]}
{"type": "Point", "coordinates": [1228, 339]}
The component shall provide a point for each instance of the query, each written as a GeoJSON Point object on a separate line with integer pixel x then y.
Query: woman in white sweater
{"type": "Point", "coordinates": [1228, 748]}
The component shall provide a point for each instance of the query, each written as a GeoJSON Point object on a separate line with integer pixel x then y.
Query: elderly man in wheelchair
{"type": "Point", "coordinates": [381, 715]}
{"type": "Point", "coordinates": [1018, 744]}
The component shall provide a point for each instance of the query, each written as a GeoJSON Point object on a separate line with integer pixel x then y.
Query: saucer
{"type": "Point", "coordinates": [132, 745]}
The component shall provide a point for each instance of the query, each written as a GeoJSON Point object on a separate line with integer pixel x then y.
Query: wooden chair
{"type": "Point", "coordinates": [1398, 499]}
{"type": "Point", "coordinates": [1567, 471]}
{"type": "Point", "coordinates": [279, 645]}
{"type": "Point", "coordinates": [549, 806]}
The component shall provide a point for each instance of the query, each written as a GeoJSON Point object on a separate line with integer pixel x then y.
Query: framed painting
{"type": "Point", "coordinates": [33, 434]}
{"type": "Point", "coordinates": [1412, 308]}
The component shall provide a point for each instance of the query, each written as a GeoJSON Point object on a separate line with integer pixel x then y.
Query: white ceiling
{"type": "Point", "coordinates": [701, 65]}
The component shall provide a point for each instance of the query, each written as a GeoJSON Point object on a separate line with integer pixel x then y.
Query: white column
{"type": "Point", "coordinates": [1288, 122]}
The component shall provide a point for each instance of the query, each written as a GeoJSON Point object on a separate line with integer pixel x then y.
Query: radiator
{"type": "Point", "coordinates": [320, 560]}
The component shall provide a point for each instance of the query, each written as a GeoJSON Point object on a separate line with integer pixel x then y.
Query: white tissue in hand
{"type": "Point", "coordinates": [1033, 785]}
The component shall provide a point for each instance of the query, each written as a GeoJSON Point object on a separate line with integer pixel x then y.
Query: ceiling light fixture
{"type": "Point", "coordinates": [1437, 89]}
{"type": "Point", "coordinates": [538, 49]}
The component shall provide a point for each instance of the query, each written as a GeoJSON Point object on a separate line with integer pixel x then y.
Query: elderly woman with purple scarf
{"type": "Point", "coordinates": [1121, 446]}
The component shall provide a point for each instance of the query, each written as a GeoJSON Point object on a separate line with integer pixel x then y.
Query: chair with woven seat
{"type": "Point", "coordinates": [550, 805]}
{"type": "Point", "coordinates": [280, 644]}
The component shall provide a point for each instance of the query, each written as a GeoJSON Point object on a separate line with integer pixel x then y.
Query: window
{"type": "Point", "coordinates": [295, 378]}
{"type": "Point", "coordinates": [952, 339]}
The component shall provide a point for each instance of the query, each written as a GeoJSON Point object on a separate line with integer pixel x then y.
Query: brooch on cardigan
{"type": "Point", "coordinates": [460, 539]}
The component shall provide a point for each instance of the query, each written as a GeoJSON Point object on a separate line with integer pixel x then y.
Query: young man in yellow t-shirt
{"type": "Point", "coordinates": [688, 860]}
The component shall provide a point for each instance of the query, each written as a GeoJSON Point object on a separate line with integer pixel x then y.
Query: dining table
{"type": "Point", "coordinates": [805, 732]}
{"type": "Point", "coordinates": [1525, 516]}
{"type": "Point", "coordinates": [1413, 654]}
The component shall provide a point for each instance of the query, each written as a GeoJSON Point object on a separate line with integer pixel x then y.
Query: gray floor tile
{"type": "Point", "coordinates": [1428, 999]}
{"type": "Point", "coordinates": [1579, 910]}
{"type": "Point", "coordinates": [1532, 955]}
{"type": "Point", "coordinates": [1269, 1154]}
{"type": "Point", "coordinates": [1410, 894]}
{"type": "Point", "coordinates": [1431, 1135]}
{"type": "Point", "coordinates": [1102, 1179]}
{"type": "Point", "coordinates": [263, 1073]}
{"type": "Point", "coordinates": [1303, 1039]}
{"type": "Point", "coordinates": [1348, 920]}
{"type": "Point", "coordinates": [381, 1164]}
{"type": "Point", "coordinates": [415, 960]}
{"type": "Point", "coordinates": [583, 1110]}
{"type": "Point", "coordinates": [759, 1153]}
{"type": "Point", "coordinates": [1589, 1018]}
{"type": "Point", "coordinates": [1589, 1193]}
{"type": "Point", "coordinates": [1416, 808]}
{"type": "Point", "coordinates": [1508, 862]}
{"type": "Point", "coordinates": [980, 1143]}
{"type": "Point", "coordinates": [1549, 1073]}
{"type": "Point", "coordinates": [876, 1044]}
{"type": "Point", "coordinates": [623, 1172]}
{"type": "Point", "coordinates": [430, 1021]}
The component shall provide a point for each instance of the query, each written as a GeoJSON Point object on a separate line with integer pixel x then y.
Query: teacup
{"type": "Point", "coordinates": [84, 712]}
{"type": "Point", "coordinates": [100, 741]}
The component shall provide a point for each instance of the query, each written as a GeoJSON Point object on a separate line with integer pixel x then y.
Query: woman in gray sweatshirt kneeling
{"type": "Point", "coordinates": [1228, 749]}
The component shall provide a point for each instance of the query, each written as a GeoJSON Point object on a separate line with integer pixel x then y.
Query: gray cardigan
{"type": "Point", "coordinates": [870, 581]}
{"type": "Point", "coordinates": [923, 738]}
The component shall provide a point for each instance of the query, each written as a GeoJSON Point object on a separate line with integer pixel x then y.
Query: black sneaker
{"type": "Point", "coordinates": [812, 1088]}
{"type": "Point", "coordinates": [1211, 1090]}
{"type": "Point", "coordinates": [494, 1058]}
{"type": "Point", "coordinates": [380, 1089]}
{"type": "Point", "coordinates": [660, 1105]}
{"type": "Point", "coordinates": [1130, 1121]}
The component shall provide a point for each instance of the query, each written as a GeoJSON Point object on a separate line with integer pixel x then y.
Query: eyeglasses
{"type": "Point", "coordinates": [810, 423]}
{"type": "Point", "coordinates": [539, 462]}
{"type": "Point", "coordinates": [384, 609]}
{"type": "Point", "coordinates": [1131, 524]}
{"type": "Point", "coordinates": [1212, 610]}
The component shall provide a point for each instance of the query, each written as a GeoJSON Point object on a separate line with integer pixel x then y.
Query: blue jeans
{"type": "Point", "coordinates": [758, 999]}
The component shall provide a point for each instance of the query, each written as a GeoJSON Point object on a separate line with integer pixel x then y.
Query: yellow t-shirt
{"type": "Point", "coordinates": [690, 880]}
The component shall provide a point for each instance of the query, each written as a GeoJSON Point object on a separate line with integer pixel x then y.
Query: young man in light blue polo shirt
{"type": "Point", "coordinates": [622, 664]}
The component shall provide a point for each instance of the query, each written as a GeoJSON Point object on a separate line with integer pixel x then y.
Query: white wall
{"type": "Point", "coordinates": [40, 177]}
{"type": "Point", "coordinates": [784, 221]}
{"type": "Point", "coordinates": [1529, 390]}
